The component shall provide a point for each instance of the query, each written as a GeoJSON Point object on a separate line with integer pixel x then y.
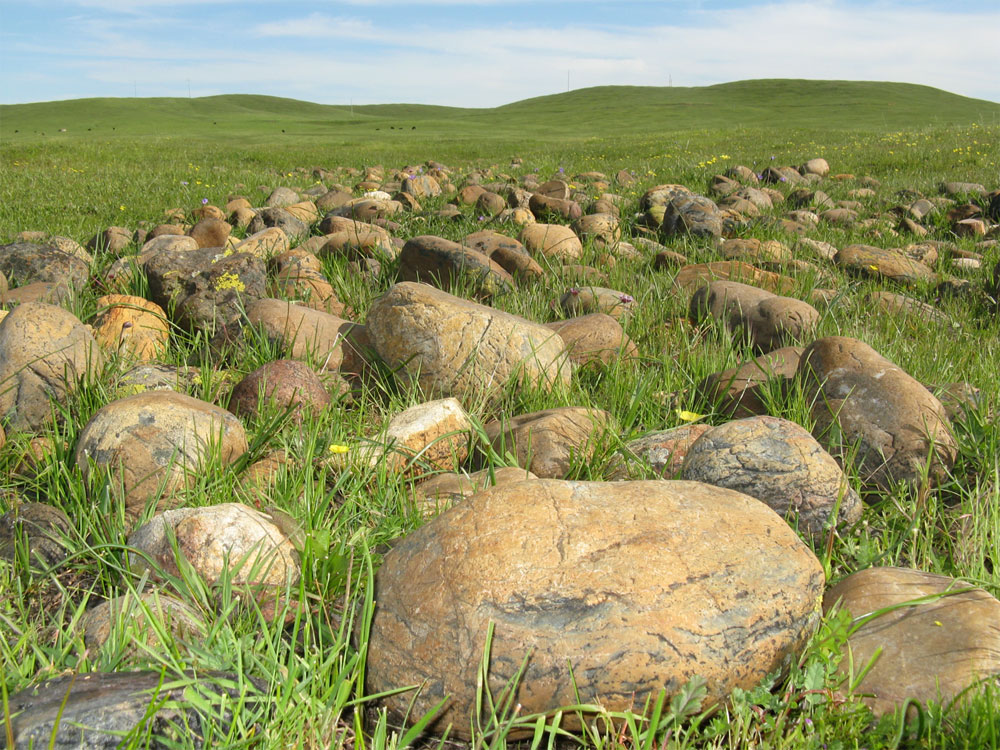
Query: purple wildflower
{"type": "Point", "coordinates": [772, 158]}
{"type": "Point", "coordinates": [561, 170]}
{"type": "Point", "coordinates": [784, 179]}
{"type": "Point", "coordinates": [204, 201]}
{"type": "Point", "coordinates": [184, 182]}
{"type": "Point", "coordinates": [626, 299]}
{"type": "Point", "coordinates": [573, 290]}
{"type": "Point", "coordinates": [482, 218]}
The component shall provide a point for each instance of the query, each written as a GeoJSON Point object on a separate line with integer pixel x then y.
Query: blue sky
{"type": "Point", "coordinates": [481, 53]}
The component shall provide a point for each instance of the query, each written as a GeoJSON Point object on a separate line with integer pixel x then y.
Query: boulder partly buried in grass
{"type": "Point", "coordinates": [859, 398]}
{"type": "Point", "coordinates": [154, 443]}
{"type": "Point", "coordinates": [44, 353]}
{"type": "Point", "coordinates": [932, 637]}
{"type": "Point", "coordinates": [614, 590]}
{"type": "Point", "coordinates": [453, 347]}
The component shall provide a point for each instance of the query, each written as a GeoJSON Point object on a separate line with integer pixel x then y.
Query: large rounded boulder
{"type": "Point", "coordinates": [154, 443]}
{"type": "Point", "coordinates": [44, 352]}
{"type": "Point", "coordinates": [861, 398]}
{"type": "Point", "coordinates": [929, 637]}
{"type": "Point", "coordinates": [613, 590]}
{"type": "Point", "coordinates": [453, 347]}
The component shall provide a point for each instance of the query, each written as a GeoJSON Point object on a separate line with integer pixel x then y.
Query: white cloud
{"type": "Point", "coordinates": [486, 66]}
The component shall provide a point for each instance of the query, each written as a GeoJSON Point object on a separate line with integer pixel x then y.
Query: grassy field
{"type": "Point", "coordinates": [127, 162]}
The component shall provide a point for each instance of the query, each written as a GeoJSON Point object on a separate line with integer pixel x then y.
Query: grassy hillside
{"type": "Point", "coordinates": [585, 112]}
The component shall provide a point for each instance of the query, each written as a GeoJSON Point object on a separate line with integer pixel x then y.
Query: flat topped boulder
{"type": "Point", "coordinates": [634, 586]}
{"type": "Point", "coordinates": [453, 347]}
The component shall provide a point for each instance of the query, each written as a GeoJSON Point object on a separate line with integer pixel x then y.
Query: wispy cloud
{"type": "Point", "coordinates": [332, 57]}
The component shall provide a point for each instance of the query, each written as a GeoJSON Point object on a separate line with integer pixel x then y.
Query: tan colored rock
{"type": "Point", "coordinates": [929, 651]}
{"type": "Point", "coordinates": [453, 347]}
{"type": "Point", "coordinates": [229, 539]}
{"type": "Point", "coordinates": [44, 352]}
{"type": "Point", "coordinates": [552, 241]}
{"type": "Point", "coordinates": [550, 442]}
{"type": "Point", "coordinates": [139, 619]}
{"type": "Point", "coordinates": [691, 277]}
{"type": "Point", "coordinates": [634, 586]}
{"type": "Point", "coordinates": [434, 434]}
{"type": "Point", "coordinates": [779, 463]}
{"type": "Point", "coordinates": [441, 491]}
{"type": "Point", "coordinates": [860, 397]}
{"type": "Point", "coordinates": [506, 251]}
{"type": "Point", "coordinates": [324, 339]}
{"type": "Point", "coordinates": [265, 243]}
{"type": "Point", "coordinates": [585, 300]}
{"type": "Point", "coordinates": [596, 338]}
{"type": "Point", "coordinates": [877, 262]}
{"type": "Point", "coordinates": [153, 445]}
{"type": "Point", "coordinates": [131, 326]}
{"type": "Point", "coordinates": [210, 232]}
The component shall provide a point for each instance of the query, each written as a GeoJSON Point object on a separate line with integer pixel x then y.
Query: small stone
{"type": "Point", "coordinates": [743, 391]}
{"type": "Point", "coordinates": [586, 300]}
{"type": "Point", "coordinates": [551, 241]}
{"type": "Point", "coordinates": [441, 491]}
{"type": "Point", "coordinates": [663, 452]}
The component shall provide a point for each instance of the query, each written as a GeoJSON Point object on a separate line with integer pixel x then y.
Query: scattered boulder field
{"type": "Point", "coordinates": [696, 555]}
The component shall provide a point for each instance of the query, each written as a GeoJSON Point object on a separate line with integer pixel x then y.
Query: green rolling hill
{"type": "Point", "coordinates": [599, 111]}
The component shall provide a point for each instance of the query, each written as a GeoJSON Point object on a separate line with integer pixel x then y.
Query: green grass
{"type": "Point", "coordinates": [79, 182]}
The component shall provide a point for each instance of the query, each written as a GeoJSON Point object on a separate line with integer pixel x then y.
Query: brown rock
{"type": "Point", "coordinates": [506, 251]}
{"type": "Point", "coordinates": [327, 341]}
{"type": "Point", "coordinates": [132, 326]}
{"type": "Point", "coordinates": [634, 586]}
{"type": "Point", "coordinates": [691, 277]}
{"type": "Point", "coordinates": [451, 346]}
{"type": "Point", "coordinates": [444, 263]}
{"type": "Point", "coordinates": [743, 391]}
{"type": "Point", "coordinates": [859, 397]}
{"type": "Point", "coordinates": [45, 351]}
{"type": "Point", "coordinates": [779, 321]}
{"type": "Point", "coordinates": [727, 302]}
{"type": "Point", "coordinates": [596, 338]}
{"type": "Point", "coordinates": [552, 241]}
{"type": "Point", "coordinates": [211, 232]}
{"type": "Point", "coordinates": [930, 651]}
{"type": "Point", "coordinates": [550, 442]}
{"type": "Point", "coordinates": [434, 434]}
{"type": "Point", "coordinates": [284, 384]}
{"type": "Point", "coordinates": [153, 444]}
{"type": "Point", "coordinates": [779, 463]}
{"type": "Point", "coordinates": [877, 262]}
